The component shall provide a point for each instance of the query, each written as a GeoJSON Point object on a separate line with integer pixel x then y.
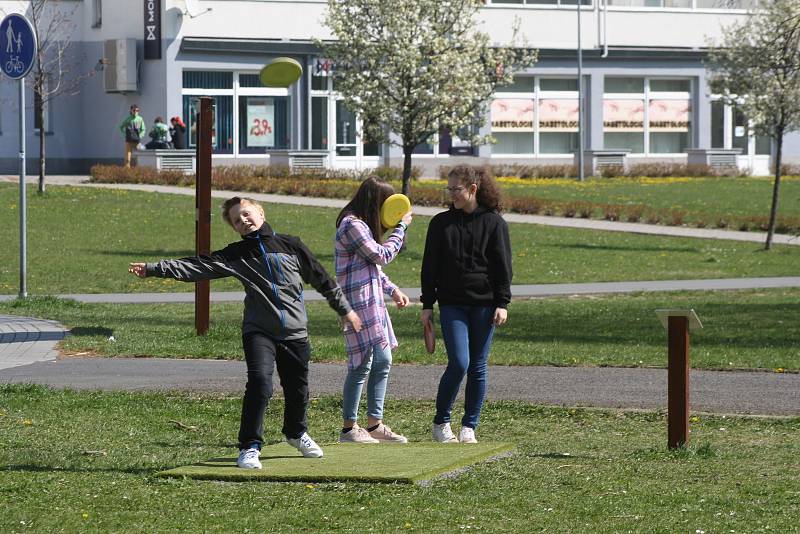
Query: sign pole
{"type": "Point", "coordinates": [17, 55]}
{"type": "Point", "coordinates": [23, 240]}
{"type": "Point", "coordinates": [202, 292]}
{"type": "Point", "coordinates": [678, 382]}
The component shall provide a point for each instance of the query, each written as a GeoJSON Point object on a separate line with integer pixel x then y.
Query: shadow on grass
{"type": "Point", "coordinates": [159, 253]}
{"type": "Point", "coordinates": [82, 331]}
{"type": "Point", "coordinates": [588, 246]}
{"type": "Point", "coordinates": [30, 468]}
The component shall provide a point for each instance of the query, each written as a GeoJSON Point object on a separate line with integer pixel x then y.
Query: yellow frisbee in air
{"type": "Point", "coordinates": [280, 72]}
{"type": "Point", "coordinates": [393, 209]}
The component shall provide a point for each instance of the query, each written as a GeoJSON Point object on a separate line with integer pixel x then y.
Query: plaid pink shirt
{"type": "Point", "coordinates": [358, 271]}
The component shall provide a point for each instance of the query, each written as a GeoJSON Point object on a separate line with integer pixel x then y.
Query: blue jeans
{"type": "Point", "coordinates": [375, 366]}
{"type": "Point", "coordinates": [467, 333]}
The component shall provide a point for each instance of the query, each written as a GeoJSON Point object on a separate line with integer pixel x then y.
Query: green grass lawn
{"type": "Point", "coordinates": [80, 240]}
{"type": "Point", "coordinates": [707, 198]}
{"type": "Point", "coordinates": [742, 329]}
{"type": "Point", "coordinates": [87, 461]}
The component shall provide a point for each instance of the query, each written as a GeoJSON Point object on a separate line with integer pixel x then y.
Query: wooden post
{"type": "Point", "coordinates": [202, 290]}
{"type": "Point", "coordinates": [678, 382]}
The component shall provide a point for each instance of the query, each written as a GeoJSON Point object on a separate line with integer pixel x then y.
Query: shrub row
{"type": "Point", "coordinates": [343, 184]}
{"type": "Point", "coordinates": [654, 170]}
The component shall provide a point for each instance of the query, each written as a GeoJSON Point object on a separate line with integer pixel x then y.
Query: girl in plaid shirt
{"type": "Point", "coordinates": [361, 253]}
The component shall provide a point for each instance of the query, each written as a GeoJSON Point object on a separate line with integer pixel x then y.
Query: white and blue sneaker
{"type": "Point", "coordinates": [306, 445]}
{"type": "Point", "coordinates": [248, 458]}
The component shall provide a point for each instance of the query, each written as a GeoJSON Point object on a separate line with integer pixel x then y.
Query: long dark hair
{"type": "Point", "coordinates": [488, 194]}
{"type": "Point", "coordinates": [366, 205]}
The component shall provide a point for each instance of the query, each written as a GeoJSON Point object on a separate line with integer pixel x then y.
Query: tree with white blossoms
{"type": "Point", "coordinates": [416, 68]}
{"type": "Point", "coordinates": [756, 68]}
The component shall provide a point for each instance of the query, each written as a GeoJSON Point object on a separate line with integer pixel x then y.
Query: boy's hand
{"type": "Point", "coordinates": [500, 316]}
{"type": "Point", "coordinates": [138, 269]}
{"type": "Point", "coordinates": [400, 298]}
{"type": "Point", "coordinates": [353, 320]}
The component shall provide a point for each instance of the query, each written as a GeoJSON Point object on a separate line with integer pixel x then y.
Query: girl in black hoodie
{"type": "Point", "coordinates": [467, 268]}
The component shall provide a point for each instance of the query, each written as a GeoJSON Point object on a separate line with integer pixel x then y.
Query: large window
{"type": "Point", "coordinates": [247, 117]}
{"type": "Point", "coordinates": [647, 115]}
{"type": "Point", "coordinates": [731, 129]}
{"type": "Point", "coordinates": [333, 126]}
{"type": "Point", "coordinates": [536, 116]}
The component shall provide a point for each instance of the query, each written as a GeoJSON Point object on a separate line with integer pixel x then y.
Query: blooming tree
{"type": "Point", "coordinates": [411, 69]}
{"type": "Point", "coordinates": [756, 68]}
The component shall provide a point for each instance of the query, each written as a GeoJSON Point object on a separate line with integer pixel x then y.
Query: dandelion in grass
{"type": "Point", "coordinates": [27, 422]}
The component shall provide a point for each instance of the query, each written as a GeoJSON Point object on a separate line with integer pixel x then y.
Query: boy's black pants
{"type": "Point", "coordinates": [263, 354]}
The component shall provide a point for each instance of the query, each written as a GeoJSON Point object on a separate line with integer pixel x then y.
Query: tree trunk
{"type": "Point", "coordinates": [406, 168]}
{"type": "Point", "coordinates": [40, 119]}
{"type": "Point", "coordinates": [773, 214]}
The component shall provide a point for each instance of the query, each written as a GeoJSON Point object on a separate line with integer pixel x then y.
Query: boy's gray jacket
{"type": "Point", "coordinates": [272, 268]}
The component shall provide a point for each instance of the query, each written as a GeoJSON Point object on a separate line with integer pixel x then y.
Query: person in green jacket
{"type": "Point", "coordinates": [132, 128]}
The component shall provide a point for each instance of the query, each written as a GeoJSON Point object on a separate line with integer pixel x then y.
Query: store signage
{"type": "Point", "coordinates": [623, 115]}
{"type": "Point", "coordinates": [558, 115]}
{"type": "Point", "coordinates": [261, 119]}
{"type": "Point", "coordinates": [322, 67]}
{"type": "Point", "coordinates": [512, 115]}
{"type": "Point", "coordinates": [669, 115]}
{"type": "Point", "coordinates": [152, 29]}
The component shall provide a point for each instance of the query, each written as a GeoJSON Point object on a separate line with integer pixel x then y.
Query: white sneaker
{"type": "Point", "coordinates": [306, 445]}
{"type": "Point", "coordinates": [467, 435]}
{"type": "Point", "coordinates": [443, 434]}
{"type": "Point", "coordinates": [248, 459]}
{"type": "Point", "coordinates": [356, 435]}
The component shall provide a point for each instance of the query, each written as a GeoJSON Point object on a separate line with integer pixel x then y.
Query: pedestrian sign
{"type": "Point", "coordinates": [17, 46]}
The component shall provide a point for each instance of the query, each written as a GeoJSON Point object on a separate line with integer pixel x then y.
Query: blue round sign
{"type": "Point", "coordinates": [17, 46]}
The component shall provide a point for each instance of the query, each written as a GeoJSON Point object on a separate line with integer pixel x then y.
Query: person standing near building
{"type": "Point", "coordinates": [132, 129]}
{"type": "Point", "coordinates": [272, 268]}
{"type": "Point", "coordinates": [466, 267]}
{"type": "Point", "coordinates": [177, 131]}
{"type": "Point", "coordinates": [360, 254]}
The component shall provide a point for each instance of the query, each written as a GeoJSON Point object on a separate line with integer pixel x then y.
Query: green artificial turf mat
{"type": "Point", "coordinates": [400, 463]}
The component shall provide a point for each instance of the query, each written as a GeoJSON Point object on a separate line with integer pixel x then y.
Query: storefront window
{"type": "Point", "coordinates": [319, 122]}
{"type": "Point", "coordinates": [345, 130]}
{"type": "Point", "coordinates": [558, 125]}
{"type": "Point", "coordinates": [717, 124]}
{"type": "Point", "coordinates": [263, 123]}
{"type": "Point", "coordinates": [513, 125]}
{"type": "Point", "coordinates": [647, 115]}
{"type": "Point", "coordinates": [221, 126]}
{"type": "Point", "coordinates": [623, 124]}
{"type": "Point", "coordinates": [669, 125]}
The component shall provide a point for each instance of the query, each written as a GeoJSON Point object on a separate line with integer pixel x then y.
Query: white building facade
{"type": "Point", "coordinates": [644, 85]}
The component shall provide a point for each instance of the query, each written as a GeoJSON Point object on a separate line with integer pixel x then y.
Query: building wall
{"type": "Point", "coordinates": [242, 36]}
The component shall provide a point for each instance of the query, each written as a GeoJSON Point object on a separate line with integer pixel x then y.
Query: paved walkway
{"type": "Point", "coordinates": [24, 340]}
{"type": "Point", "coordinates": [566, 222]}
{"type": "Point", "coordinates": [729, 392]}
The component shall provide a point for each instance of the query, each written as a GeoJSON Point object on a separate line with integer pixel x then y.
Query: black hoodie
{"type": "Point", "coordinates": [467, 260]}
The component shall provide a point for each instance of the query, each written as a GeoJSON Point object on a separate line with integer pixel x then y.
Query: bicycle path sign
{"type": "Point", "coordinates": [17, 46]}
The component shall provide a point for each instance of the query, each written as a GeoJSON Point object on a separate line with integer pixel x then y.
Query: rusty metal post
{"type": "Point", "coordinates": [678, 382]}
{"type": "Point", "coordinates": [202, 290]}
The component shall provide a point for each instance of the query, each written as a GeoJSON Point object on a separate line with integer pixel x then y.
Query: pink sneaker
{"type": "Point", "coordinates": [356, 435]}
{"type": "Point", "coordinates": [384, 434]}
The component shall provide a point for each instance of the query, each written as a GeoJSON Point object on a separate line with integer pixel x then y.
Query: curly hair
{"type": "Point", "coordinates": [488, 195]}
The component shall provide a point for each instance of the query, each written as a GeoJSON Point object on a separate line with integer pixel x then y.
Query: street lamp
{"type": "Point", "coordinates": [580, 95]}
